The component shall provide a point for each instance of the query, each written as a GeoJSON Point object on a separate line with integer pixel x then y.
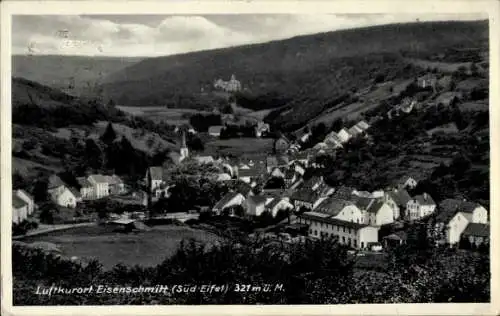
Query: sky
{"type": "Point", "coordinates": [161, 35]}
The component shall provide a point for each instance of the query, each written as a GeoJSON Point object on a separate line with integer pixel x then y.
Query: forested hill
{"type": "Point", "coordinates": [312, 66]}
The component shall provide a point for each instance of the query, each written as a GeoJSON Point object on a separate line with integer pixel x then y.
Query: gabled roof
{"type": "Point", "coordinates": [156, 173]}
{"type": "Point", "coordinates": [363, 203]}
{"type": "Point", "coordinates": [309, 183]}
{"type": "Point", "coordinates": [423, 199]}
{"type": "Point", "coordinates": [478, 230]}
{"type": "Point", "coordinates": [17, 202]}
{"type": "Point", "coordinates": [375, 206]}
{"type": "Point", "coordinates": [226, 199]}
{"type": "Point", "coordinates": [274, 202]}
{"type": "Point", "coordinates": [449, 207]}
{"type": "Point", "coordinates": [98, 178]}
{"type": "Point", "coordinates": [113, 180]}
{"type": "Point", "coordinates": [400, 196]}
{"type": "Point", "coordinates": [305, 195]}
{"type": "Point", "coordinates": [25, 193]}
{"type": "Point", "coordinates": [333, 206]}
{"type": "Point", "coordinates": [257, 199]}
{"type": "Point", "coordinates": [243, 188]}
{"type": "Point", "coordinates": [55, 181]}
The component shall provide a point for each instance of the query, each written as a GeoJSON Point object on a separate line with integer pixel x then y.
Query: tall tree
{"type": "Point", "coordinates": [109, 134]}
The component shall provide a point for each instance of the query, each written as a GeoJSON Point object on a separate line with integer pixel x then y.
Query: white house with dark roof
{"type": "Point", "coordinates": [406, 182]}
{"type": "Point", "coordinates": [155, 177]}
{"type": "Point", "coordinates": [355, 131]}
{"type": "Point", "coordinates": [362, 125]}
{"type": "Point", "coordinates": [420, 206]}
{"type": "Point", "coordinates": [453, 217]}
{"type": "Point", "coordinates": [100, 184]}
{"type": "Point", "coordinates": [476, 234]}
{"type": "Point", "coordinates": [341, 209]}
{"type": "Point", "coordinates": [379, 213]}
{"type": "Point", "coordinates": [228, 200]}
{"type": "Point", "coordinates": [28, 199]}
{"type": "Point", "coordinates": [19, 209]}
{"type": "Point", "coordinates": [348, 233]}
{"type": "Point", "coordinates": [65, 197]}
{"type": "Point", "coordinates": [397, 199]}
{"type": "Point", "coordinates": [116, 184]}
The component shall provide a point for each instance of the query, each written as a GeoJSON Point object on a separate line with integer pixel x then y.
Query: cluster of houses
{"type": "Point", "coordinates": [337, 139]}
{"type": "Point", "coordinates": [93, 187]}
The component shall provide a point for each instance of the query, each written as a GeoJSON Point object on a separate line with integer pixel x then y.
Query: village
{"type": "Point", "coordinates": [275, 186]}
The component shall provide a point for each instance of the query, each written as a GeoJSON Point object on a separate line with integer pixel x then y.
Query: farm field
{"type": "Point", "coordinates": [162, 114]}
{"type": "Point", "coordinates": [240, 146]}
{"type": "Point", "coordinates": [147, 248]}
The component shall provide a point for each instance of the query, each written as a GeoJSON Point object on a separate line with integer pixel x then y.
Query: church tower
{"type": "Point", "coordinates": [184, 150]}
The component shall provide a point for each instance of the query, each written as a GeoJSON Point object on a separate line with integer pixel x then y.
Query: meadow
{"type": "Point", "coordinates": [146, 248]}
{"type": "Point", "coordinates": [240, 146]}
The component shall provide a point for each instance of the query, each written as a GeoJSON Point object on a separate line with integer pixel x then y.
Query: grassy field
{"type": "Point", "coordinates": [240, 146]}
{"type": "Point", "coordinates": [162, 114]}
{"type": "Point", "coordinates": [145, 248]}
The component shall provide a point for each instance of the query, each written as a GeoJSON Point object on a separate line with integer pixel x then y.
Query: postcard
{"type": "Point", "coordinates": [249, 157]}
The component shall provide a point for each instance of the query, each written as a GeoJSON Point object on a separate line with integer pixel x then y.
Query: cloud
{"type": "Point", "coordinates": [122, 36]}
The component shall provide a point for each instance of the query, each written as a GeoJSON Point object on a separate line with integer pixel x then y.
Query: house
{"type": "Point", "coordinates": [426, 81]}
{"type": "Point", "coordinates": [277, 204]}
{"type": "Point", "coordinates": [65, 197]}
{"type": "Point", "coordinates": [281, 144]}
{"type": "Point", "coordinates": [379, 213]}
{"type": "Point", "coordinates": [476, 234]}
{"type": "Point", "coordinates": [76, 193]}
{"type": "Point", "coordinates": [301, 157]}
{"type": "Point", "coordinates": [304, 198]}
{"type": "Point", "coordinates": [407, 105]}
{"type": "Point", "coordinates": [154, 177]}
{"type": "Point", "coordinates": [277, 173]}
{"type": "Point", "coordinates": [271, 163]}
{"type": "Point", "coordinates": [55, 184]}
{"type": "Point", "coordinates": [395, 239]}
{"type": "Point", "coordinates": [28, 199]}
{"type": "Point", "coordinates": [255, 205]}
{"type": "Point", "coordinates": [397, 199]}
{"type": "Point", "coordinates": [243, 188]}
{"type": "Point", "coordinates": [347, 233]}
{"type": "Point", "coordinates": [345, 210]}
{"type": "Point", "coordinates": [344, 135]}
{"type": "Point", "coordinates": [362, 125]}
{"type": "Point", "coordinates": [299, 168]}
{"type": "Point", "coordinates": [215, 130]}
{"type": "Point", "coordinates": [406, 182]}
{"type": "Point", "coordinates": [249, 175]}
{"type": "Point", "coordinates": [116, 185]}
{"type": "Point", "coordinates": [452, 219]}
{"type": "Point", "coordinates": [100, 184]}
{"type": "Point", "coordinates": [261, 128]}
{"type": "Point", "coordinates": [355, 131]}
{"type": "Point", "coordinates": [202, 160]}
{"type": "Point", "coordinates": [86, 188]}
{"type": "Point", "coordinates": [228, 200]}
{"type": "Point", "coordinates": [419, 207]}
{"type": "Point", "coordinates": [19, 209]}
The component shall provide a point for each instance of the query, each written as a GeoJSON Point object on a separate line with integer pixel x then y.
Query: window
{"type": "Point", "coordinates": [362, 245]}
{"type": "Point", "coordinates": [349, 241]}
{"type": "Point", "coordinates": [355, 243]}
{"type": "Point", "coordinates": [315, 232]}
{"type": "Point", "coordinates": [343, 239]}
{"type": "Point", "coordinates": [349, 231]}
{"type": "Point", "coordinates": [310, 231]}
{"type": "Point", "coordinates": [343, 228]}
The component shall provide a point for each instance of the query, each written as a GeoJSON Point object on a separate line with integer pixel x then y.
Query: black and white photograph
{"type": "Point", "coordinates": [249, 158]}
